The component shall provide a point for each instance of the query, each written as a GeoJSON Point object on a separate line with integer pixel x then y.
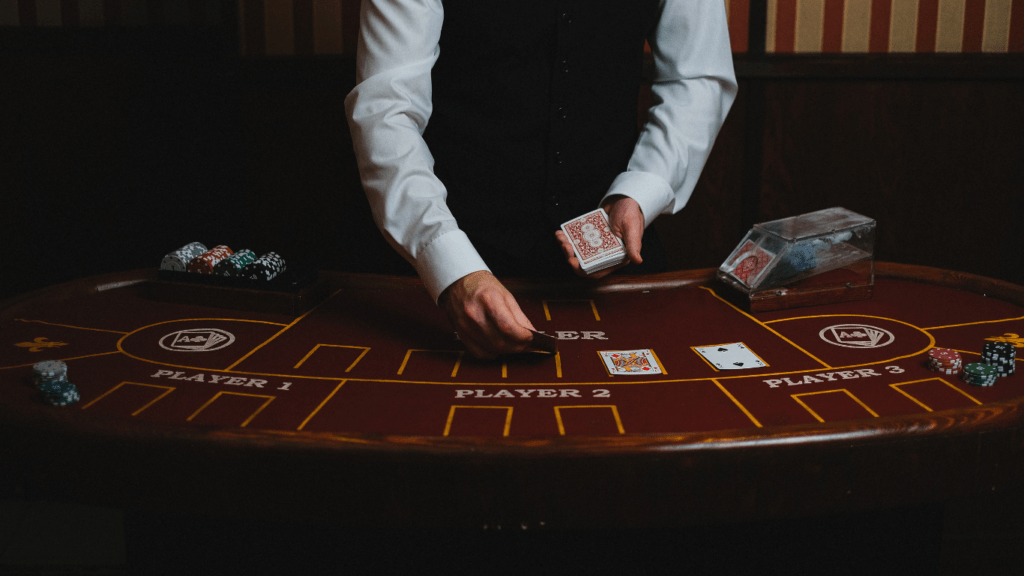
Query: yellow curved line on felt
{"type": "Point", "coordinates": [975, 323]}
{"type": "Point", "coordinates": [979, 354]}
{"type": "Point", "coordinates": [64, 359]}
{"type": "Point", "coordinates": [137, 330]}
{"type": "Point", "coordinates": [68, 326]}
{"type": "Point", "coordinates": [931, 339]}
{"type": "Point", "coordinates": [766, 327]}
{"type": "Point", "coordinates": [621, 382]}
{"type": "Point", "coordinates": [931, 344]}
{"type": "Point", "coordinates": [281, 331]}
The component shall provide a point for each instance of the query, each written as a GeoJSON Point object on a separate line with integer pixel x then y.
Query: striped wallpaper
{"type": "Point", "coordinates": [298, 27]}
{"type": "Point", "coordinates": [75, 13]}
{"type": "Point", "coordinates": [305, 27]}
{"type": "Point", "coordinates": [309, 27]}
{"type": "Point", "coordinates": [859, 26]}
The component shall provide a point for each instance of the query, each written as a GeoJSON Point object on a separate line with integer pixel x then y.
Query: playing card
{"type": "Point", "coordinates": [543, 343]}
{"type": "Point", "coordinates": [592, 240]}
{"type": "Point", "coordinates": [749, 262]}
{"type": "Point", "coordinates": [631, 362]}
{"type": "Point", "coordinates": [734, 356]}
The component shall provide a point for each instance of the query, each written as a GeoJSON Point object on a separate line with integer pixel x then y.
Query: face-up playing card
{"type": "Point", "coordinates": [592, 240]}
{"type": "Point", "coordinates": [735, 356]}
{"type": "Point", "coordinates": [631, 362]}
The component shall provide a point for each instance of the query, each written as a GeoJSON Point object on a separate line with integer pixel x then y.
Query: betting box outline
{"type": "Point", "coordinates": [284, 327]}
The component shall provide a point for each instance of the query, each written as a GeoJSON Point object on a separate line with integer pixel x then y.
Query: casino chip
{"type": "Point", "coordinates": [1000, 355]}
{"type": "Point", "coordinates": [60, 393]}
{"type": "Point", "coordinates": [980, 374]}
{"type": "Point", "coordinates": [49, 371]}
{"type": "Point", "coordinates": [204, 263]}
{"type": "Point", "coordinates": [265, 268]}
{"type": "Point", "coordinates": [944, 361]}
{"type": "Point", "coordinates": [234, 264]}
{"type": "Point", "coordinates": [178, 260]}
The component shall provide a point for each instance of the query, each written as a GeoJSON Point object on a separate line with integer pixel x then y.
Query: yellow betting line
{"type": "Point", "coordinates": [64, 359]}
{"type": "Point", "coordinates": [737, 403]}
{"type": "Point", "coordinates": [67, 326]}
{"type": "Point", "coordinates": [974, 323]}
{"type": "Point", "coordinates": [279, 332]}
{"type": "Point", "coordinates": [766, 327]}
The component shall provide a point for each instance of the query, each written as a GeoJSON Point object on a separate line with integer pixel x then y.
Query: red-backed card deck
{"type": "Point", "coordinates": [592, 240]}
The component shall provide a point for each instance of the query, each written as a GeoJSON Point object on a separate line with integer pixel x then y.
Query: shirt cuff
{"type": "Point", "coordinates": [651, 192]}
{"type": "Point", "coordinates": [448, 258]}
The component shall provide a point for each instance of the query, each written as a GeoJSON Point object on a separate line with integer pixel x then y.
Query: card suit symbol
{"type": "Point", "coordinates": [737, 363]}
{"type": "Point", "coordinates": [723, 349]}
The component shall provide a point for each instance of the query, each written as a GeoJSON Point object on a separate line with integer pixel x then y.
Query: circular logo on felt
{"type": "Point", "coordinates": [197, 340]}
{"type": "Point", "coordinates": [856, 336]}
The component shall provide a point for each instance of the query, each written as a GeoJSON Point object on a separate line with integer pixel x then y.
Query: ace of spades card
{"type": "Point", "coordinates": [734, 356]}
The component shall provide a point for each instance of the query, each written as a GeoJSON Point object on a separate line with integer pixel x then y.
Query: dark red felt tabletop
{"type": "Point", "coordinates": [375, 365]}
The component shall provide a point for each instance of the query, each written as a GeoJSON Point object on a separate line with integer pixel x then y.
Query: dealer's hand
{"type": "Point", "coordinates": [626, 221]}
{"type": "Point", "coordinates": [486, 316]}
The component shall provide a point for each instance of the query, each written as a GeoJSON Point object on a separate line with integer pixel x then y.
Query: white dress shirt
{"type": "Point", "coordinates": [694, 87]}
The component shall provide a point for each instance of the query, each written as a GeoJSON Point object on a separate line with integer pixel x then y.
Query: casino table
{"type": "Point", "coordinates": [366, 410]}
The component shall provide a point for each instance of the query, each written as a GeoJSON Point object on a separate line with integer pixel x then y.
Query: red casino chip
{"type": "Point", "coordinates": [944, 361]}
{"type": "Point", "coordinates": [204, 263]}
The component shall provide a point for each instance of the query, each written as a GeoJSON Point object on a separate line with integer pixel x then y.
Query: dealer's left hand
{"type": "Point", "coordinates": [626, 221]}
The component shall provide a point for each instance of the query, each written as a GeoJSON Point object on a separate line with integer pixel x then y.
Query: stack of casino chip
{"type": "Point", "coordinates": [178, 260]}
{"type": "Point", "coordinates": [234, 264]}
{"type": "Point", "coordinates": [49, 371]}
{"type": "Point", "coordinates": [944, 361]}
{"type": "Point", "coordinates": [51, 378]}
{"type": "Point", "coordinates": [59, 393]}
{"type": "Point", "coordinates": [979, 374]}
{"type": "Point", "coordinates": [265, 267]}
{"type": "Point", "coordinates": [1001, 355]}
{"type": "Point", "coordinates": [204, 263]}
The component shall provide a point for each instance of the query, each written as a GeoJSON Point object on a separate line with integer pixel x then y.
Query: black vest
{"type": "Point", "coordinates": [535, 113]}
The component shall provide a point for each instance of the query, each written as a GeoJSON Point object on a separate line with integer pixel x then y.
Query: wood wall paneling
{"type": "Point", "coordinates": [937, 163]}
{"type": "Point", "coordinates": [928, 144]}
{"type": "Point", "coordinates": [704, 232]}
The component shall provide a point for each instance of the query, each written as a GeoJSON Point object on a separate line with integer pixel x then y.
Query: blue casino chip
{"type": "Point", "coordinates": [59, 393]}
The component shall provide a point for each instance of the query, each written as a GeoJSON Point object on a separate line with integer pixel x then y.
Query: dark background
{"type": "Point", "coordinates": [118, 145]}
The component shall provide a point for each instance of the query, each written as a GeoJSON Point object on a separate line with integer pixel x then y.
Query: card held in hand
{"type": "Point", "coordinates": [592, 240]}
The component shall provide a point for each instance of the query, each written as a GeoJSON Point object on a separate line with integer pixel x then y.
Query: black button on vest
{"type": "Point", "coordinates": [535, 111]}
